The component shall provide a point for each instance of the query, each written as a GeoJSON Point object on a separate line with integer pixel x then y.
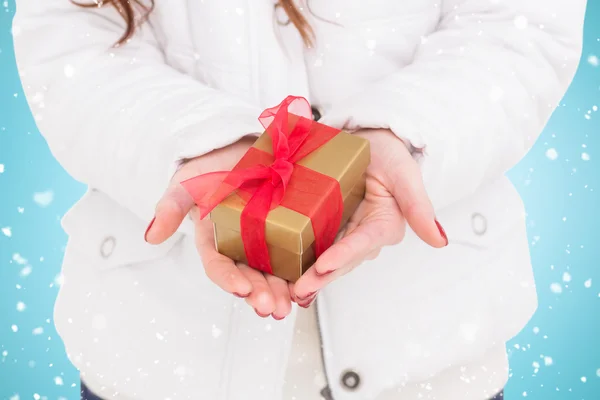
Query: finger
{"type": "Point", "coordinates": [261, 298]}
{"type": "Point", "coordinates": [219, 268]}
{"type": "Point", "coordinates": [409, 191]}
{"type": "Point", "coordinates": [367, 237]}
{"type": "Point", "coordinates": [281, 294]}
{"type": "Point", "coordinates": [172, 208]}
{"type": "Point", "coordinates": [310, 284]}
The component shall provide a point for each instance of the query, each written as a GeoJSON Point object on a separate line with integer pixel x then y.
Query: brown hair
{"type": "Point", "coordinates": [130, 9]}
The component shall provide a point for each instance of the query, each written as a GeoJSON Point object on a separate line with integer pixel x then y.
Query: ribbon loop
{"type": "Point", "coordinates": [265, 181]}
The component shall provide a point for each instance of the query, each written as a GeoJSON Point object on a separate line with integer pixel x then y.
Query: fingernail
{"type": "Point", "coordinates": [261, 315]}
{"type": "Point", "coordinates": [323, 273]}
{"type": "Point", "coordinates": [277, 318]}
{"type": "Point", "coordinates": [306, 305]}
{"type": "Point", "coordinates": [148, 228]}
{"type": "Point", "coordinates": [241, 296]}
{"type": "Point", "coordinates": [308, 296]}
{"type": "Point", "coordinates": [442, 231]}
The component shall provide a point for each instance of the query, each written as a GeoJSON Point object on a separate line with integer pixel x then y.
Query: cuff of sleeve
{"type": "Point", "coordinates": [436, 157]}
{"type": "Point", "coordinates": [220, 131]}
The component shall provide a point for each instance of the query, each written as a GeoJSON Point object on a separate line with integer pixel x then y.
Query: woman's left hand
{"type": "Point", "coordinates": [395, 195]}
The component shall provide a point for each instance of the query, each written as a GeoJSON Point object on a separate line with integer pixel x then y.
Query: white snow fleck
{"type": "Point", "coordinates": [496, 93]}
{"type": "Point", "coordinates": [593, 60]}
{"type": "Point", "coordinates": [15, 397]}
{"type": "Point", "coordinates": [21, 306]}
{"type": "Point", "coordinates": [521, 22]}
{"type": "Point", "coordinates": [20, 210]}
{"type": "Point", "coordinates": [371, 44]}
{"type": "Point", "coordinates": [19, 259]}
{"type": "Point", "coordinates": [566, 277]}
{"type": "Point", "coordinates": [59, 279]}
{"type": "Point", "coordinates": [99, 322]}
{"type": "Point", "coordinates": [7, 231]}
{"type": "Point", "coordinates": [598, 372]}
{"type": "Point", "coordinates": [583, 379]}
{"type": "Point", "coordinates": [180, 370]}
{"type": "Point", "coordinates": [159, 336]}
{"type": "Point", "coordinates": [548, 361]}
{"type": "Point", "coordinates": [43, 199]}
{"type": "Point", "coordinates": [26, 271]}
{"type": "Point", "coordinates": [37, 331]}
{"type": "Point", "coordinates": [36, 396]}
{"type": "Point", "coordinates": [556, 288]}
{"type": "Point", "coordinates": [552, 154]}
{"type": "Point", "coordinates": [58, 381]}
{"type": "Point", "coordinates": [524, 394]}
{"type": "Point", "coordinates": [16, 30]}
{"type": "Point", "coordinates": [536, 330]}
{"type": "Point", "coordinates": [595, 108]}
{"type": "Point", "coordinates": [469, 331]}
{"type": "Point", "coordinates": [216, 332]}
{"type": "Point", "coordinates": [588, 283]}
{"type": "Point", "coordinates": [1, 168]}
{"type": "Point", "coordinates": [69, 71]}
{"type": "Point", "coordinates": [585, 156]}
{"type": "Point", "coordinates": [536, 364]}
{"type": "Point", "coordinates": [4, 353]}
{"type": "Point", "coordinates": [14, 328]}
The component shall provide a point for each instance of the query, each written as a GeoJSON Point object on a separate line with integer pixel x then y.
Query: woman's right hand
{"type": "Point", "coordinates": [267, 294]}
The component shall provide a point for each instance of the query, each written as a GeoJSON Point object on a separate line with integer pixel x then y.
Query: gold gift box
{"type": "Point", "coordinates": [289, 234]}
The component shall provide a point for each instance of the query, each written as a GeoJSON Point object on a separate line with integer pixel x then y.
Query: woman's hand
{"type": "Point", "coordinates": [267, 294]}
{"type": "Point", "coordinates": [394, 196]}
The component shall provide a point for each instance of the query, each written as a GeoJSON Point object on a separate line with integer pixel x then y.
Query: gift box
{"type": "Point", "coordinates": [285, 201]}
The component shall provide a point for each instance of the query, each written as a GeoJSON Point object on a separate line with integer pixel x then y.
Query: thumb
{"type": "Point", "coordinates": [172, 208]}
{"type": "Point", "coordinates": [409, 191]}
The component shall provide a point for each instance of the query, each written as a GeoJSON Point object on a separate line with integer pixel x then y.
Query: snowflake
{"type": "Point", "coordinates": [7, 231]}
{"type": "Point", "coordinates": [43, 199]}
{"type": "Point", "coordinates": [552, 154]}
{"type": "Point", "coordinates": [521, 22]}
{"type": "Point", "coordinates": [556, 288]}
{"type": "Point", "coordinates": [593, 60]}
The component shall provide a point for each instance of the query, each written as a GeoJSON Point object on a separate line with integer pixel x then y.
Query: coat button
{"type": "Point", "coordinates": [108, 246]}
{"type": "Point", "coordinates": [479, 224]}
{"type": "Point", "coordinates": [350, 380]}
{"type": "Point", "coordinates": [316, 114]}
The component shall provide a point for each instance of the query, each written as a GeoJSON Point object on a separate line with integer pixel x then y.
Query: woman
{"type": "Point", "coordinates": [450, 93]}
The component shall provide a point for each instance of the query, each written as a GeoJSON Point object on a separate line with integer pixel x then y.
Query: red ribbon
{"type": "Point", "coordinates": [266, 181]}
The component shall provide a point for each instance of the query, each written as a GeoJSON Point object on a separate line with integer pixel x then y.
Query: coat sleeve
{"type": "Point", "coordinates": [118, 119]}
{"type": "Point", "coordinates": [479, 91]}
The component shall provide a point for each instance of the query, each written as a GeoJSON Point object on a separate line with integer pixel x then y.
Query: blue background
{"type": "Point", "coordinates": [555, 357]}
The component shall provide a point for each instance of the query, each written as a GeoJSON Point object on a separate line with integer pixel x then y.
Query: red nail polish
{"type": "Point", "coordinates": [305, 305]}
{"type": "Point", "coordinates": [261, 315]}
{"type": "Point", "coordinates": [442, 231]}
{"type": "Point", "coordinates": [241, 296]}
{"type": "Point", "coordinates": [148, 228]}
{"type": "Point", "coordinates": [308, 296]}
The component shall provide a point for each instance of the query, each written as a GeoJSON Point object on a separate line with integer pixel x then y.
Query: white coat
{"type": "Point", "coordinates": [471, 82]}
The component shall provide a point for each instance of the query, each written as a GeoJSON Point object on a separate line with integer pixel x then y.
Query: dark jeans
{"type": "Point", "coordinates": [87, 395]}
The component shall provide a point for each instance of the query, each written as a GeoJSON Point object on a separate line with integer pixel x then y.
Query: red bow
{"type": "Point", "coordinates": [266, 181]}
